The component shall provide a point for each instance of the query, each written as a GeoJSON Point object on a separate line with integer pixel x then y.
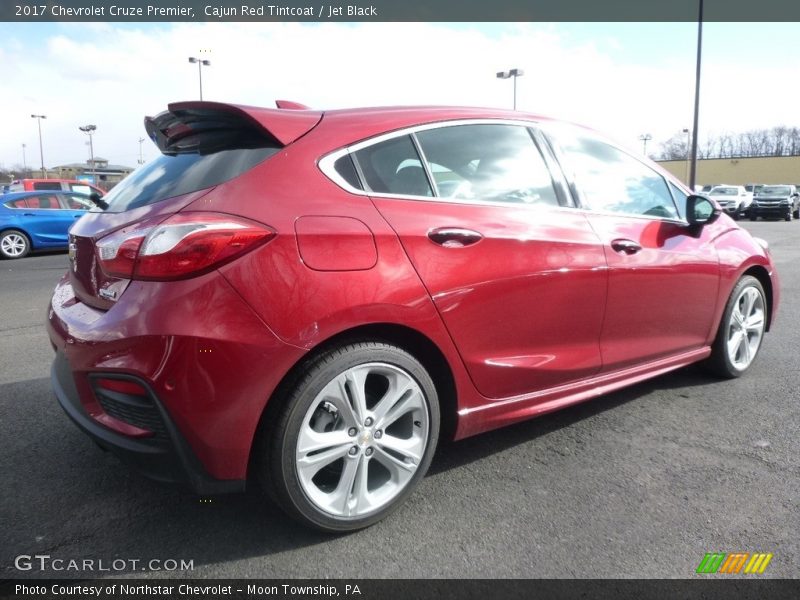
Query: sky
{"type": "Point", "coordinates": [624, 79]}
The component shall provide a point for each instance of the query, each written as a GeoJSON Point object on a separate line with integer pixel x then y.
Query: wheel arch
{"type": "Point", "coordinates": [417, 344]}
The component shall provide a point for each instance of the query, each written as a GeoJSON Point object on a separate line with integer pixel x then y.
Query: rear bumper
{"type": "Point", "coordinates": [163, 457]}
{"type": "Point", "coordinates": [206, 361]}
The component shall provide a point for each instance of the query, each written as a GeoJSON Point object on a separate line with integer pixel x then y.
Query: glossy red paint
{"type": "Point", "coordinates": [539, 313]}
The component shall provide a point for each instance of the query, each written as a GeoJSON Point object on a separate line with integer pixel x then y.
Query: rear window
{"type": "Point", "coordinates": [170, 176]}
{"type": "Point", "coordinates": [47, 185]}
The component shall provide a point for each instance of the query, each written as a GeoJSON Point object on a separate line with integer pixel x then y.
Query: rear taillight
{"type": "Point", "coordinates": [183, 245]}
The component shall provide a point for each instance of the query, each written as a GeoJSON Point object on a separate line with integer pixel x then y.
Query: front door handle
{"type": "Point", "coordinates": [454, 237]}
{"type": "Point", "coordinates": [625, 246]}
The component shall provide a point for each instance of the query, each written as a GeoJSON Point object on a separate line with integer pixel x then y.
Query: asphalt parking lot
{"type": "Point", "coordinates": [640, 483]}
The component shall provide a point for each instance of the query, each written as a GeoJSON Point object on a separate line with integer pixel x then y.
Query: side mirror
{"type": "Point", "coordinates": [701, 211]}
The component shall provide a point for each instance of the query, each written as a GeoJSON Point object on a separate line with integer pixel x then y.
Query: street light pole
{"type": "Point", "coordinates": [688, 133]}
{"type": "Point", "coordinates": [89, 130]}
{"type": "Point", "coordinates": [41, 151]}
{"type": "Point", "coordinates": [512, 73]}
{"type": "Point", "coordinates": [200, 64]}
{"type": "Point", "coordinates": [141, 160]}
{"type": "Point", "coordinates": [24, 163]}
{"type": "Point", "coordinates": [645, 137]}
{"type": "Point", "coordinates": [693, 168]}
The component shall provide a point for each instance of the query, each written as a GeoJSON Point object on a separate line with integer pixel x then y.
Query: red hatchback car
{"type": "Point", "coordinates": [312, 299]}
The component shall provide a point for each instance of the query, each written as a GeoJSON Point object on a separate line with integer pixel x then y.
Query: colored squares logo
{"type": "Point", "coordinates": [735, 562]}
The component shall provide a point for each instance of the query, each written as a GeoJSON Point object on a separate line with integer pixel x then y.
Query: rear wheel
{"type": "Point", "coordinates": [796, 213]}
{"type": "Point", "coordinates": [741, 330]}
{"type": "Point", "coordinates": [356, 435]}
{"type": "Point", "coordinates": [14, 244]}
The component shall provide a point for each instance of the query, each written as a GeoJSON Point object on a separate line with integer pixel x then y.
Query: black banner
{"type": "Point", "coordinates": [395, 10]}
{"type": "Point", "coordinates": [378, 589]}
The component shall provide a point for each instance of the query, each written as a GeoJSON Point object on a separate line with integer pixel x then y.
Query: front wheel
{"type": "Point", "coordinates": [356, 435]}
{"type": "Point", "coordinates": [741, 330]}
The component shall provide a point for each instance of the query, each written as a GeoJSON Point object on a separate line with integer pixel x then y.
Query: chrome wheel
{"type": "Point", "coordinates": [362, 440]}
{"type": "Point", "coordinates": [14, 245]}
{"type": "Point", "coordinates": [745, 327]}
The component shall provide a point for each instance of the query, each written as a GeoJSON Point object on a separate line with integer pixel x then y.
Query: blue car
{"type": "Point", "coordinates": [38, 220]}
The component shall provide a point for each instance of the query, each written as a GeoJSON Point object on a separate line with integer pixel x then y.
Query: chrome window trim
{"type": "Point", "coordinates": [326, 163]}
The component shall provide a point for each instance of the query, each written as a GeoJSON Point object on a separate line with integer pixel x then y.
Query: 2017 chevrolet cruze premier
{"type": "Point", "coordinates": [312, 299]}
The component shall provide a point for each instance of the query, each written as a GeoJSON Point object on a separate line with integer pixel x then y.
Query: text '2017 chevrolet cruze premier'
{"type": "Point", "coordinates": [312, 299]}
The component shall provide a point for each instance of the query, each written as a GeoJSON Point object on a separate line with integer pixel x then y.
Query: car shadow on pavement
{"type": "Point", "coordinates": [452, 455]}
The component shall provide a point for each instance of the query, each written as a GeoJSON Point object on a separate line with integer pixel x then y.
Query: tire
{"type": "Point", "coordinates": [796, 213]}
{"type": "Point", "coordinates": [14, 244]}
{"type": "Point", "coordinates": [741, 330]}
{"type": "Point", "coordinates": [355, 435]}
{"type": "Point", "coordinates": [753, 217]}
{"type": "Point", "coordinates": [788, 215]}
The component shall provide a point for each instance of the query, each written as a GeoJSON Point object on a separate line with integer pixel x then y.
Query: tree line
{"type": "Point", "coordinates": [776, 141]}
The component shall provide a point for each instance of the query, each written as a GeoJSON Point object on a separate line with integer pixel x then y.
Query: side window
{"type": "Point", "coordinates": [47, 185]}
{"type": "Point", "coordinates": [612, 180]}
{"type": "Point", "coordinates": [346, 169]}
{"type": "Point", "coordinates": [680, 199]}
{"type": "Point", "coordinates": [498, 163]}
{"type": "Point", "coordinates": [393, 167]}
{"type": "Point", "coordinates": [46, 201]}
{"type": "Point", "coordinates": [17, 203]}
{"type": "Point", "coordinates": [80, 188]}
{"type": "Point", "coordinates": [76, 202]}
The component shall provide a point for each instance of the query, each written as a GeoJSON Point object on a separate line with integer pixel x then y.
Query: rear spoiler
{"type": "Point", "coordinates": [207, 127]}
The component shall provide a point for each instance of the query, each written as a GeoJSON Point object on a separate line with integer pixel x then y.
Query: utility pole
{"type": "Point", "coordinates": [141, 159]}
{"type": "Point", "coordinates": [41, 151]}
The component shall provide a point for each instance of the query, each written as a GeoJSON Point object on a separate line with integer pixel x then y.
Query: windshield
{"type": "Point", "coordinates": [725, 191]}
{"type": "Point", "coordinates": [776, 190]}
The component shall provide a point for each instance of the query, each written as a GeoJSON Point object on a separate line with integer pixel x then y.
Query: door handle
{"type": "Point", "coordinates": [454, 237]}
{"type": "Point", "coordinates": [28, 214]}
{"type": "Point", "coordinates": [625, 246]}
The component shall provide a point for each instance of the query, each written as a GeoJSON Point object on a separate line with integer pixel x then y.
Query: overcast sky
{"type": "Point", "coordinates": [623, 79]}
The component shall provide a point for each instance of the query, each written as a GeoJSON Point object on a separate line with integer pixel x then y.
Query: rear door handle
{"type": "Point", "coordinates": [454, 237]}
{"type": "Point", "coordinates": [625, 246]}
{"type": "Point", "coordinates": [28, 215]}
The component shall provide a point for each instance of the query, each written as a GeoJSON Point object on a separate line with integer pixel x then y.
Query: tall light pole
{"type": "Point", "coordinates": [645, 137]}
{"type": "Point", "coordinates": [141, 159]}
{"type": "Point", "coordinates": [688, 133]}
{"type": "Point", "coordinates": [693, 168]}
{"type": "Point", "coordinates": [89, 130]}
{"type": "Point", "coordinates": [201, 62]}
{"type": "Point", "coordinates": [507, 75]}
{"type": "Point", "coordinates": [24, 163]}
{"type": "Point", "coordinates": [41, 151]}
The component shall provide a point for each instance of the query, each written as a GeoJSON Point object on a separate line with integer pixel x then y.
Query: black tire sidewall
{"type": "Point", "coordinates": [283, 468]}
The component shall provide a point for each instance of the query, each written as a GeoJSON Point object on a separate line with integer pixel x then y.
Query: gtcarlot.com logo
{"type": "Point", "coordinates": [44, 562]}
{"type": "Point", "coordinates": [734, 562]}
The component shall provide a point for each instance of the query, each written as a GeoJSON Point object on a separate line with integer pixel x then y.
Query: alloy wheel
{"type": "Point", "coordinates": [13, 245]}
{"type": "Point", "coordinates": [746, 327]}
{"type": "Point", "coordinates": [362, 439]}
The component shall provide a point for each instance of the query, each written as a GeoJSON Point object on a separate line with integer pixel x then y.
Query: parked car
{"type": "Point", "coordinates": [733, 199]}
{"type": "Point", "coordinates": [313, 298]}
{"type": "Point", "coordinates": [776, 201]}
{"type": "Point", "coordinates": [38, 220]}
{"type": "Point", "coordinates": [708, 187]}
{"type": "Point", "coordinates": [754, 188]}
{"type": "Point", "coordinates": [67, 185]}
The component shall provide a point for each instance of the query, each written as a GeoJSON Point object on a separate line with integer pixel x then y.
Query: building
{"type": "Point", "coordinates": [739, 171]}
{"type": "Point", "coordinates": [98, 172]}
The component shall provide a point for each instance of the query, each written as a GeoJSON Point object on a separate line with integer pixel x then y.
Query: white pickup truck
{"type": "Point", "coordinates": [733, 199]}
